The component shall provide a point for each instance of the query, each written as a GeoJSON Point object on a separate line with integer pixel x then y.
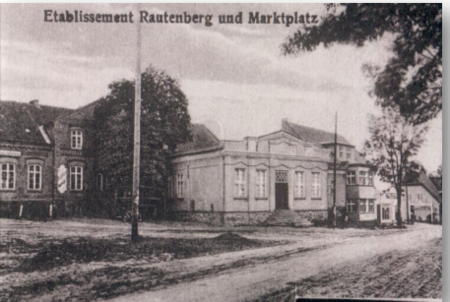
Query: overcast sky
{"type": "Point", "coordinates": [234, 76]}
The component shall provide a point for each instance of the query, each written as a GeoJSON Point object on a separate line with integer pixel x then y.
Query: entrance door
{"type": "Point", "coordinates": [281, 190]}
{"type": "Point", "coordinates": [384, 214]}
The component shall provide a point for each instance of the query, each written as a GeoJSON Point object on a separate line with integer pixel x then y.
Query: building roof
{"type": "Point", "coordinates": [437, 181]}
{"type": "Point", "coordinates": [202, 139]}
{"type": "Point", "coordinates": [425, 181]}
{"type": "Point", "coordinates": [19, 122]}
{"type": "Point", "coordinates": [312, 135]}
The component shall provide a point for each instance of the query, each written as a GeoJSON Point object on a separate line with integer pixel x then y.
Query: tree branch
{"type": "Point", "coordinates": [426, 57]}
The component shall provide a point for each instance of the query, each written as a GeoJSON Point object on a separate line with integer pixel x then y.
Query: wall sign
{"type": "Point", "coordinates": [62, 179]}
{"type": "Point", "coordinates": [10, 153]}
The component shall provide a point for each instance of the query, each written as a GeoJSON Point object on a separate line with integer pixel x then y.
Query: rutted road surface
{"type": "Point", "coordinates": [246, 275]}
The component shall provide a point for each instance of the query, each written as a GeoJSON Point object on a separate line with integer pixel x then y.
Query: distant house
{"type": "Point", "coordinates": [420, 198]}
{"type": "Point", "coordinates": [437, 181]}
{"type": "Point", "coordinates": [423, 199]}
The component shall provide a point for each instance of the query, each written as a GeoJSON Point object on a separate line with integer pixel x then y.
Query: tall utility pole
{"type": "Point", "coordinates": [137, 139]}
{"type": "Point", "coordinates": [407, 205]}
{"type": "Point", "coordinates": [335, 172]}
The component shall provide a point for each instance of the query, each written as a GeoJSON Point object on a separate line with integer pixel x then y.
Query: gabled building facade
{"type": "Point", "coordinates": [420, 199]}
{"type": "Point", "coordinates": [47, 161]}
{"type": "Point", "coordinates": [245, 182]}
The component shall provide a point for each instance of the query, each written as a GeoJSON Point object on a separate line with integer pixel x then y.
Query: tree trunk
{"type": "Point", "coordinates": [399, 207]}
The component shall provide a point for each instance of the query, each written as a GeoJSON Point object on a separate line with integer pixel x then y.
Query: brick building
{"type": "Point", "coordinates": [47, 166]}
{"type": "Point", "coordinates": [45, 159]}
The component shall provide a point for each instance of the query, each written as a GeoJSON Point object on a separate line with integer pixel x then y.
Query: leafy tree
{"type": "Point", "coordinates": [412, 79]}
{"type": "Point", "coordinates": [438, 172]}
{"type": "Point", "coordinates": [393, 143]}
{"type": "Point", "coordinates": [164, 124]}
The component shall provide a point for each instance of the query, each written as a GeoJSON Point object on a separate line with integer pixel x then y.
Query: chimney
{"type": "Point", "coordinates": [35, 103]}
{"type": "Point", "coordinates": [252, 144]}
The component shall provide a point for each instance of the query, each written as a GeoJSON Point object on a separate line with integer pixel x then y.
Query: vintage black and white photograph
{"type": "Point", "coordinates": [221, 152]}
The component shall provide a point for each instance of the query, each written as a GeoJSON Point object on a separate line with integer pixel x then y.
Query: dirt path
{"type": "Point", "coordinates": [271, 273]}
{"type": "Point", "coordinates": [415, 273]}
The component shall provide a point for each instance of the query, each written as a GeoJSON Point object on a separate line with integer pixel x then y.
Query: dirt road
{"type": "Point", "coordinates": [266, 270]}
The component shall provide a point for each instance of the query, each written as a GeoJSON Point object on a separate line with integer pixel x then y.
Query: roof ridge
{"type": "Point", "coordinates": [312, 128]}
{"type": "Point", "coordinates": [80, 108]}
{"type": "Point", "coordinates": [298, 135]}
{"type": "Point", "coordinates": [308, 129]}
{"type": "Point", "coordinates": [210, 133]}
{"type": "Point", "coordinates": [425, 181]}
{"type": "Point", "coordinates": [28, 104]}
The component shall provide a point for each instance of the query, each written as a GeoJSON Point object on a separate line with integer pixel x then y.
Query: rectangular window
{"type": "Point", "coordinates": [385, 213]}
{"type": "Point", "coordinates": [351, 177]}
{"type": "Point", "coordinates": [76, 178]}
{"type": "Point", "coordinates": [180, 185]}
{"type": "Point", "coordinates": [370, 181]}
{"type": "Point", "coordinates": [100, 182]}
{"type": "Point", "coordinates": [351, 206]}
{"type": "Point", "coordinates": [281, 176]}
{"type": "Point", "coordinates": [34, 177]}
{"type": "Point", "coordinates": [362, 206]}
{"type": "Point", "coordinates": [8, 178]}
{"type": "Point", "coordinates": [341, 152]}
{"type": "Point", "coordinates": [419, 197]}
{"type": "Point", "coordinates": [367, 206]}
{"type": "Point", "coordinates": [76, 138]}
{"type": "Point", "coordinates": [349, 153]}
{"type": "Point", "coordinates": [261, 183]}
{"type": "Point", "coordinates": [316, 187]}
{"type": "Point", "coordinates": [363, 178]}
{"type": "Point", "coordinates": [300, 184]}
{"type": "Point", "coordinates": [239, 184]}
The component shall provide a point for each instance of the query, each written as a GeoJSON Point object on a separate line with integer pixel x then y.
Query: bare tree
{"type": "Point", "coordinates": [394, 141]}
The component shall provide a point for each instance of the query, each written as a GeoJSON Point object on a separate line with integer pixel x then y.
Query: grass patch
{"type": "Point", "coordinates": [122, 265]}
{"type": "Point", "coordinates": [151, 249]}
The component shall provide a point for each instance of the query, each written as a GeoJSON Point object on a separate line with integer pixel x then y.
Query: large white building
{"type": "Point", "coordinates": [285, 176]}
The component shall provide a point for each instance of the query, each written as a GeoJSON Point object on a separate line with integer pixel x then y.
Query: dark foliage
{"type": "Point", "coordinates": [164, 124]}
{"type": "Point", "coordinates": [412, 79]}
